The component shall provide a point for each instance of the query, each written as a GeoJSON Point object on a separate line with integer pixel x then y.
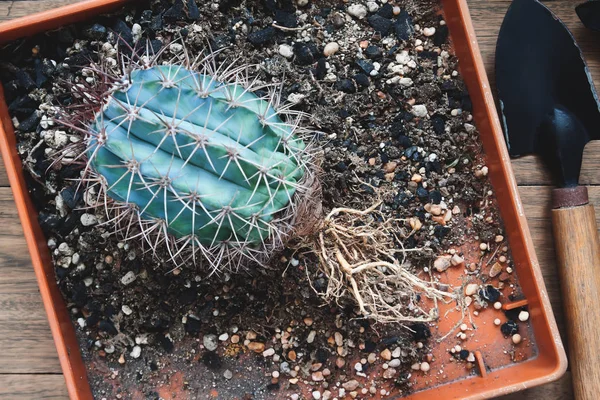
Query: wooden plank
{"type": "Point", "coordinates": [559, 390]}
{"type": "Point", "coordinates": [25, 340]}
{"type": "Point", "coordinates": [3, 177]}
{"type": "Point", "coordinates": [15, 9]}
{"type": "Point", "coordinates": [29, 387]}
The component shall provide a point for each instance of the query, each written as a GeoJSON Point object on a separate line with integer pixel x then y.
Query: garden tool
{"type": "Point", "coordinates": [589, 14]}
{"type": "Point", "coordinates": [549, 107]}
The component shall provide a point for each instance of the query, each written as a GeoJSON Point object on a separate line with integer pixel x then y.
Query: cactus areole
{"type": "Point", "coordinates": [206, 162]}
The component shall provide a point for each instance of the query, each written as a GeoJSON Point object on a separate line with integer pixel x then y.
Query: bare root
{"type": "Point", "coordinates": [362, 256]}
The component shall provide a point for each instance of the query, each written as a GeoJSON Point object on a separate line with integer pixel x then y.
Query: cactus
{"type": "Point", "coordinates": [195, 162]}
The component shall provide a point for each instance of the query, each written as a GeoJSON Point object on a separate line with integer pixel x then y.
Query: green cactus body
{"type": "Point", "coordinates": [210, 159]}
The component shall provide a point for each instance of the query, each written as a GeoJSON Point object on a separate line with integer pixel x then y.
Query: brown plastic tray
{"type": "Point", "coordinates": [545, 358]}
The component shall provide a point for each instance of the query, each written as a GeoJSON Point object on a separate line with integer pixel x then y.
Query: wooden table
{"type": "Point", "coordinates": [29, 367]}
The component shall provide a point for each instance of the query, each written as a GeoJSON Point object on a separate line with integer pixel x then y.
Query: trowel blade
{"type": "Point", "coordinates": [547, 99]}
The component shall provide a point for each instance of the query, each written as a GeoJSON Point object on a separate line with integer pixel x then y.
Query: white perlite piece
{"type": "Point", "coordinates": [286, 50]}
{"type": "Point", "coordinates": [136, 352]}
{"type": "Point", "coordinates": [405, 82]}
{"type": "Point", "coordinates": [210, 342]}
{"type": "Point", "coordinates": [358, 11]}
{"type": "Point", "coordinates": [126, 309]}
{"type": "Point", "coordinates": [88, 219]}
{"type": "Point", "coordinates": [128, 278]}
{"type": "Point", "coordinates": [136, 32]}
{"type": "Point", "coordinates": [296, 98]}
{"type": "Point", "coordinates": [419, 110]}
{"type": "Point", "coordinates": [228, 374]}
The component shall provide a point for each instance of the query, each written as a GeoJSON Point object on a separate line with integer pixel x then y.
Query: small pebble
{"type": "Point", "coordinates": [128, 278]}
{"type": "Point", "coordinates": [286, 50]}
{"type": "Point", "coordinates": [386, 354]}
{"type": "Point", "coordinates": [351, 385]}
{"type": "Point", "coordinates": [471, 289]}
{"type": "Point", "coordinates": [389, 373]}
{"type": "Point", "coordinates": [395, 363]}
{"type": "Point", "coordinates": [442, 263]}
{"type": "Point", "coordinates": [419, 110]}
{"type": "Point", "coordinates": [497, 322]}
{"type": "Point", "coordinates": [268, 352]}
{"type": "Point", "coordinates": [516, 338]}
{"type": "Point", "coordinates": [358, 11]}
{"type": "Point", "coordinates": [523, 316]}
{"type": "Point", "coordinates": [228, 374]}
{"type": "Point", "coordinates": [429, 31]}
{"type": "Point", "coordinates": [497, 305]}
{"type": "Point", "coordinates": [425, 366]}
{"type": "Point", "coordinates": [330, 49]}
{"type": "Point", "coordinates": [456, 260]}
{"type": "Point", "coordinates": [88, 219]}
{"type": "Point", "coordinates": [256, 347]}
{"type": "Point", "coordinates": [223, 337]}
{"type": "Point", "coordinates": [495, 270]}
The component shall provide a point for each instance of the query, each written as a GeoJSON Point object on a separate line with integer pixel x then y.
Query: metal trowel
{"type": "Point", "coordinates": [549, 107]}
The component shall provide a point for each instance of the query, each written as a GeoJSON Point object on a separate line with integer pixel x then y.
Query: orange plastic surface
{"type": "Point", "coordinates": [544, 364]}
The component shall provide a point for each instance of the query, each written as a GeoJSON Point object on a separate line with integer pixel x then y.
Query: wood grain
{"type": "Point", "coordinates": [15, 9]}
{"type": "Point", "coordinates": [578, 255]}
{"type": "Point", "coordinates": [26, 345]}
{"type": "Point", "coordinates": [559, 390]}
{"type": "Point", "coordinates": [32, 387]}
{"type": "Point", "coordinates": [21, 312]}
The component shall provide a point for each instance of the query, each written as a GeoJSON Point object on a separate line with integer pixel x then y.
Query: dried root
{"type": "Point", "coordinates": [362, 256]}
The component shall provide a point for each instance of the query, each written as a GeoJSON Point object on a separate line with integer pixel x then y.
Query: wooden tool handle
{"type": "Point", "coordinates": [578, 255]}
